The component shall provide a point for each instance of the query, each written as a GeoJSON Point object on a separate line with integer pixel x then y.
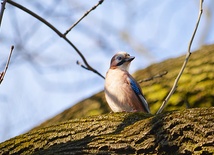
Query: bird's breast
{"type": "Point", "coordinates": [115, 93]}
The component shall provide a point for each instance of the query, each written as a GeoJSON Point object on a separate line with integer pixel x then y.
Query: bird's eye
{"type": "Point", "coordinates": [128, 54]}
{"type": "Point", "coordinates": [119, 58]}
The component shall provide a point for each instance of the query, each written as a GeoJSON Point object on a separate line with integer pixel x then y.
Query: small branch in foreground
{"type": "Point", "coordinates": [6, 66]}
{"type": "Point", "coordinates": [154, 77]}
{"type": "Point", "coordinates": [93, 8]}
{"type": "Point", "coordinates": [57, 32]}
{"type": "Point", "coordinates": [175, 85]}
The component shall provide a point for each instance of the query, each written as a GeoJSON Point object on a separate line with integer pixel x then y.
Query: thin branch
{"type": "Point", "coordinates": [3, 3]}
{"type": "Point", "coordinates": [81, 65]}
{"type": "Point", "coordinates": [175, 85]}
{"type": "Point", "coordinates": [57, 32]}
{"type": "Point", "coordinates": [93, 8]}
{"type": "Point", "coordinates": [6, 66]}
{"type": "Point", "coordinates": [154, 77]}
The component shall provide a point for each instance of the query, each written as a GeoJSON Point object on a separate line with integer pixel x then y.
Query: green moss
{"type": "Point", "coordinates": [185, 78]}
{"type": "Point", "coordinates": [158, 95]}
{"type": "Point", "coordinates": [176, 98]}
{"type": "Point", "coordinates": [94, 112]}
{"type": "Point", "coordinates": [155, 92]}
{"type": "Point", "coordinates": [199, 77]}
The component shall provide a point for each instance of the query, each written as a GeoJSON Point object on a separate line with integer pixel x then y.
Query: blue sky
{"type": "Point", "coordinates": [43, 78]}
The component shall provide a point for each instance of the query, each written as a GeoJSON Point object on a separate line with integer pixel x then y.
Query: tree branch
{"type": "Point", "coordinates": [57, 32]}
{"type": "Point", "coordinates": [177, 132]}
{"type": "Point", "coordinates": [6, 66]}
{"type": "Point", "coordinates": [154, 77]}
{"type": "Point", "coordinates": [93, 8]}
{"type": "Point", "coordinates": [175, 85]}
{"type": "Point", "coordinates": [3, 3]}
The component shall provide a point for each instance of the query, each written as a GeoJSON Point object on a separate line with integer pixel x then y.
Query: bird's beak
{"type": "Point", "coordinates": [129, 59]}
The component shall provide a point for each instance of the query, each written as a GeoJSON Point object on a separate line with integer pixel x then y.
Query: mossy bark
{"type": "Point", "coordinates": [179, 132]}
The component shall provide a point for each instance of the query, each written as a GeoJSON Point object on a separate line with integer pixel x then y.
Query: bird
{"type": "Point", "coordinates": [122, 92]}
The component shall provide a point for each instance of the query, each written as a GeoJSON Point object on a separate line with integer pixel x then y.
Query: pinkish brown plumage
{"type": "Point", "coordinates": [122, 92]}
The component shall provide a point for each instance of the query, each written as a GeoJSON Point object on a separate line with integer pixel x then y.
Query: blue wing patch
{"type": "Point", "coordinates": [134, 86]}
{"type": "Point", "coordinates": [138, 92]}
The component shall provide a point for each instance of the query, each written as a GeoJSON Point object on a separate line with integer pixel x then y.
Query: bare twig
{"type": "Point", "coordinates": [154, 77]}
{"type": "Point", "coordinates": [57, 32]}
{"type": "Point", "coordinates": [3, 3]}
{"type": "Point", "coordinates": [6, 66]}
{"type": "Point", "coordinates": [79, 63]}
{"type": "Point", "coordinates": [93, 8]}
{"type": "Point", "coordinates": [175, 85]}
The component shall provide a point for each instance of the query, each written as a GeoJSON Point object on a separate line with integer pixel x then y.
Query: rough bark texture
{"type": "Point", "coordinates": [179, 132]}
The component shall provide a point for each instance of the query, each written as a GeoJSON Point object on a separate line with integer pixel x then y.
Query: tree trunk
{"type": "Point", "coordinates": [179, 132]}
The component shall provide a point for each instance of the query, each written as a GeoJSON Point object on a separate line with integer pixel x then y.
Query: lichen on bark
{"type": "Point", "coordinates": [179, 132]}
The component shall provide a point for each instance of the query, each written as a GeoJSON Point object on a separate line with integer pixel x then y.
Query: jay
{"type": "Point", "coordinates": [122, 92]}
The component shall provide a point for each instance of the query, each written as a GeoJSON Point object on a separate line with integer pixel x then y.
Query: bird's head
{"type": "Point", "coordinates": [121, 60]}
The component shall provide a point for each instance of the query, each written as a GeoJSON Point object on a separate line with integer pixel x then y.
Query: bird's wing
{"type": "Point", "coordinates": [136, 88]}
